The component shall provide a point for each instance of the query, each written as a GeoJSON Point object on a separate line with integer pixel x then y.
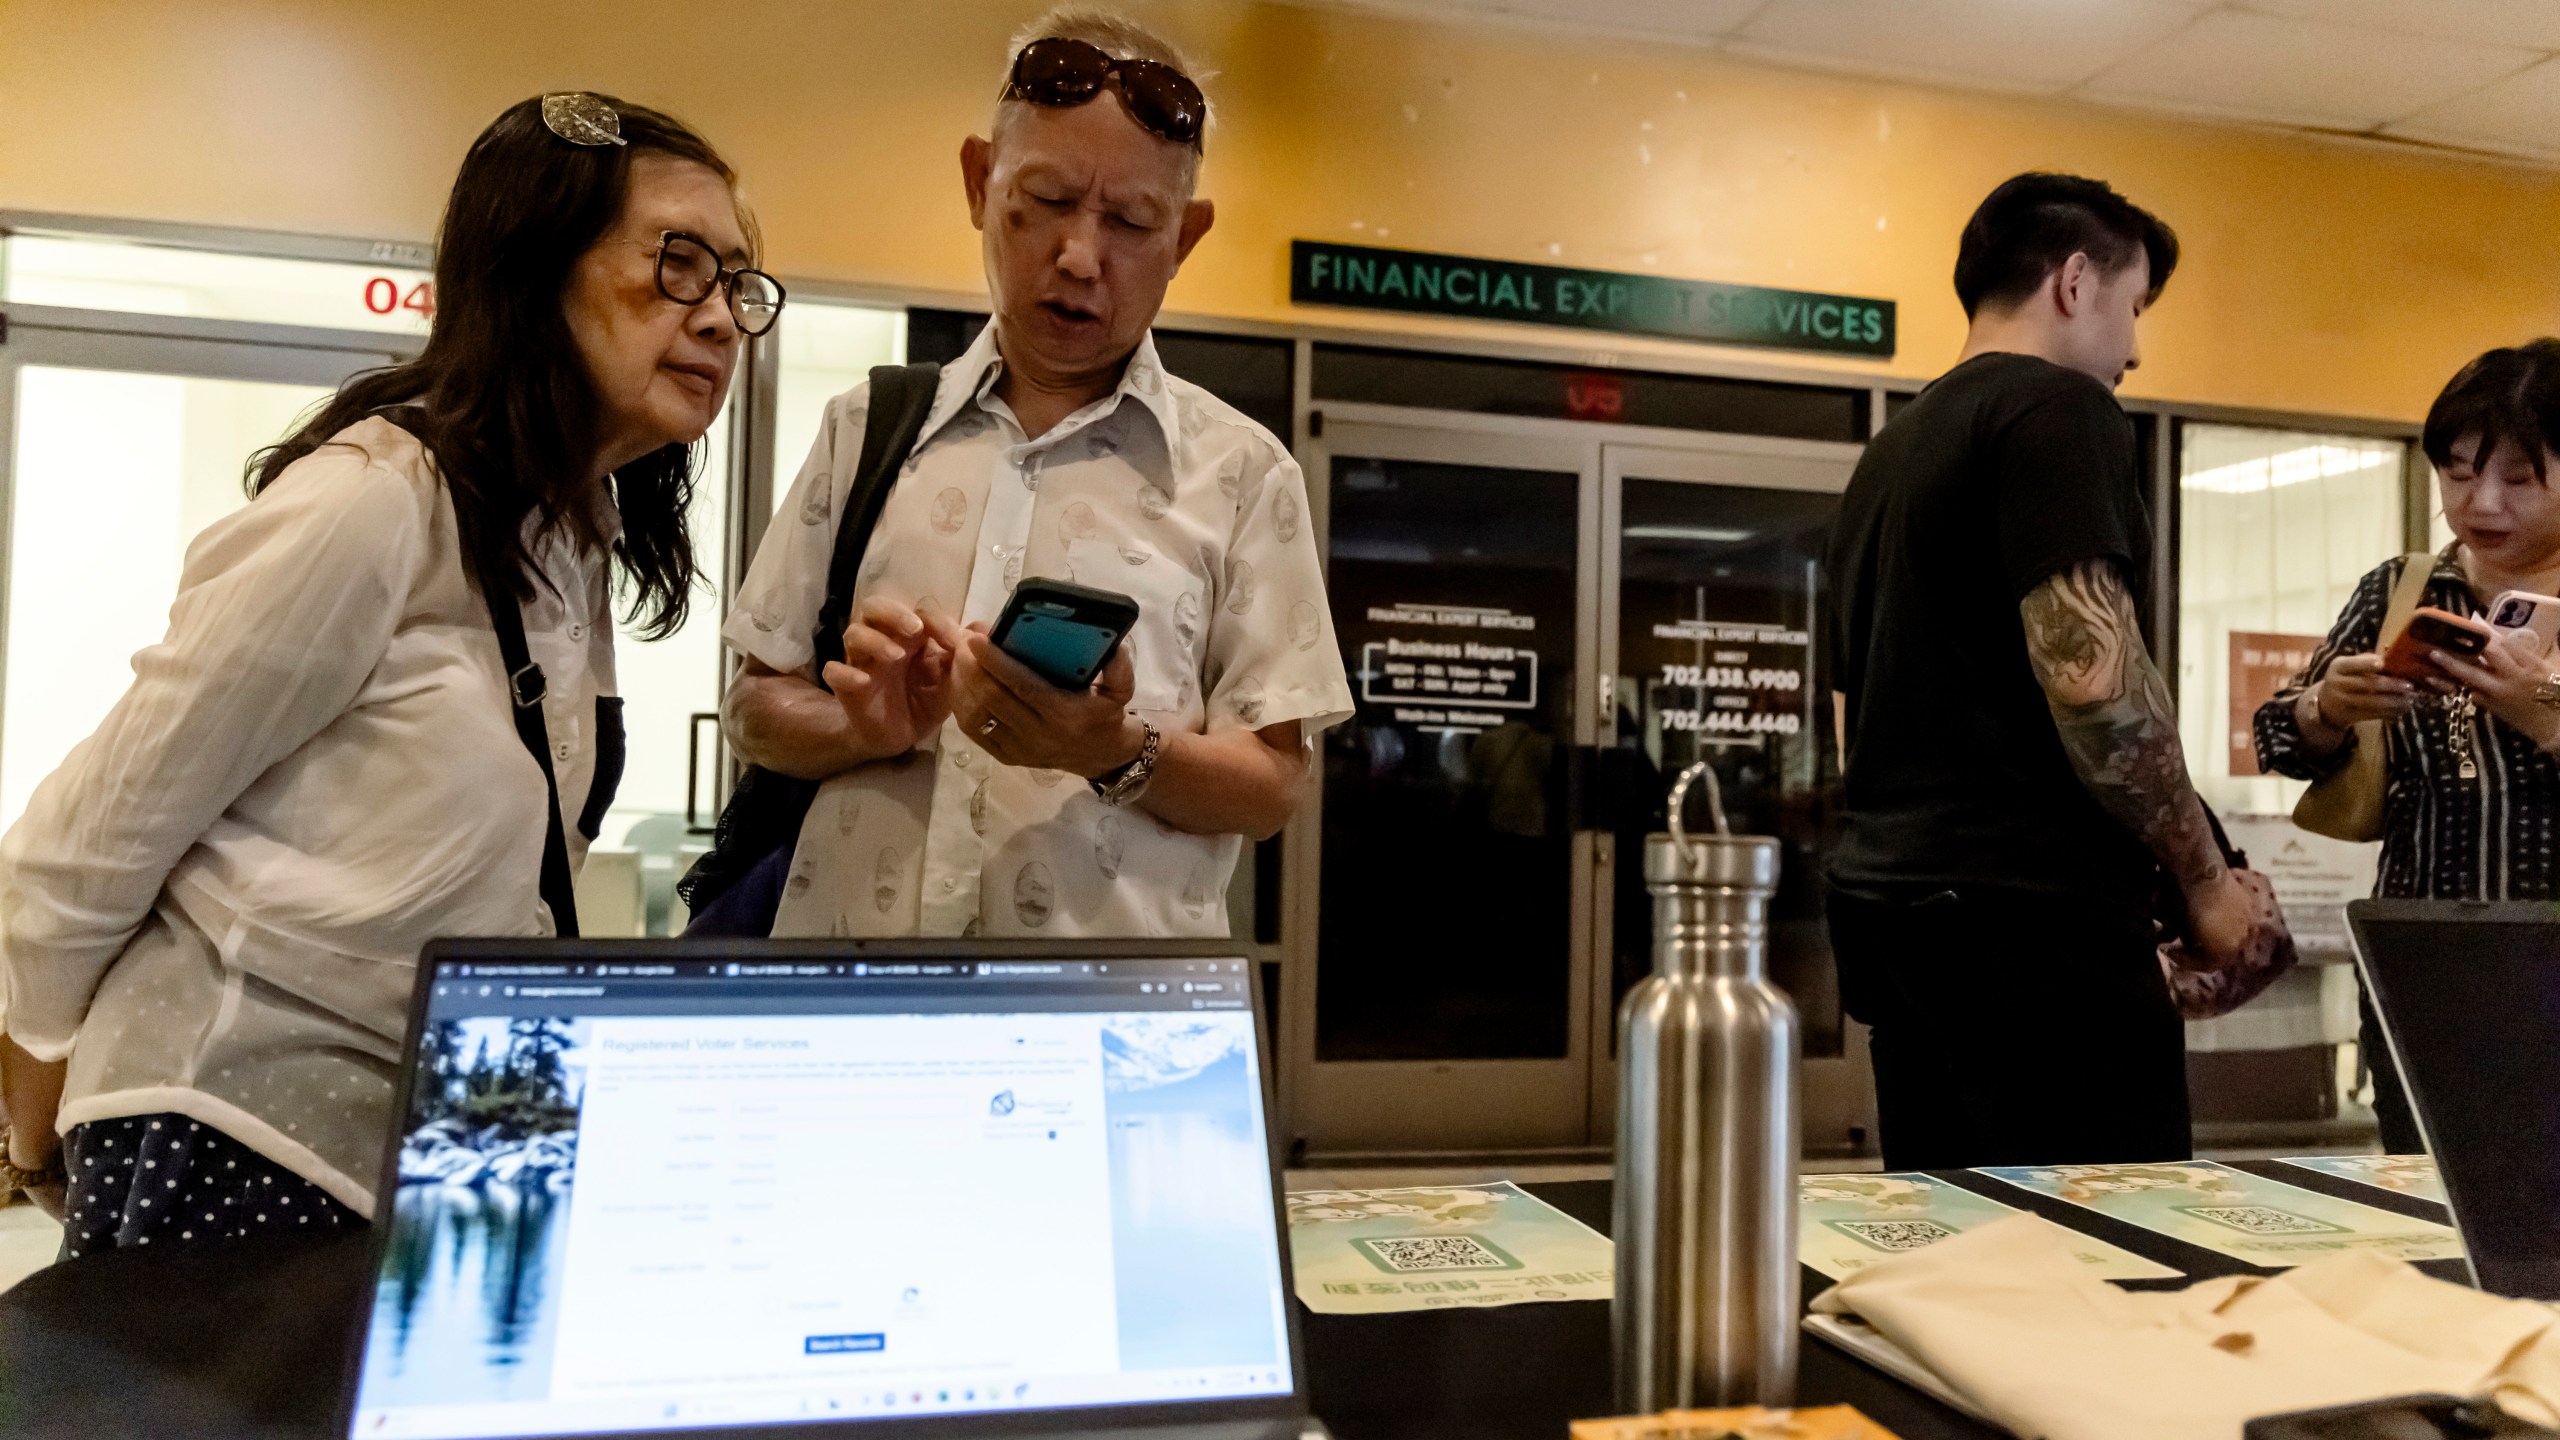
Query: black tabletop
{"type": "Point", "coordinates": [249, 1339]}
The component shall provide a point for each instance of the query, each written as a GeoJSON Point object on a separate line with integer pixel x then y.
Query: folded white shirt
{"type": "Point", "coordinates": [2012, 1321]}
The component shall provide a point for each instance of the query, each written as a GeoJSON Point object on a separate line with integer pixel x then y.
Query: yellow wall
{"type": "Point", "coordinates": [2321, 276]}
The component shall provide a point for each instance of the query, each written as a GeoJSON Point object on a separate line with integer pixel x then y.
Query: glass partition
{"type": "Point", "coordinates": [113, 473]}
{"type": "Point", "coordinates": [827, 349]}
{"type": "Point", "coordinates": [664, 687]}
{"type": "Point", "coordinates": [2274, 529]}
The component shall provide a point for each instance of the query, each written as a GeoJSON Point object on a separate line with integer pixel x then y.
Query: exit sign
{"type": "Point", "coordinates": [1367, 278]}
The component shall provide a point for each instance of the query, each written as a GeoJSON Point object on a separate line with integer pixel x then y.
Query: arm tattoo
{"type": "Point", "coordinates": [2115, 716]}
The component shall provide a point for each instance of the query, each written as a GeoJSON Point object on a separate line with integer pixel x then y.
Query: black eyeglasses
{"type": "Point", "coordinates": [1063, 72]}
{"type": "Point", "coordinates": [688, 272]}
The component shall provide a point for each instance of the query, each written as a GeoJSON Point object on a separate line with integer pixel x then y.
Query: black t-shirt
{"type": "Point", "coordinates": [2006, 471]}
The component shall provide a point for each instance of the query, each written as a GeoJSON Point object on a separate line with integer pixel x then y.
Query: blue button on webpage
{"type": "Point", "coordinates": [844, 1344]}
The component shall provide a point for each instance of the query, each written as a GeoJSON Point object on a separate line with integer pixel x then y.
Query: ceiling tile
{"type": "Point", "coordinates": [2038, 45]}
{"type": "Point", "coordinates": [2302, 72]}
{"type": "Point", "coordinates": [1694, 22]}
{"type": "Point", "coordinates": [2519, 115]}
{"type": "Point", "coordinates": [2534, 24]}
{"type": "Point", "coordinates": [1671, 19]}
{"type": "Point", "coordinates": [2453, 72]}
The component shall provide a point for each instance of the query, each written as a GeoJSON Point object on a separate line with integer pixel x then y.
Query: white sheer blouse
{"type": "Point", "coordinates": [215, 906]}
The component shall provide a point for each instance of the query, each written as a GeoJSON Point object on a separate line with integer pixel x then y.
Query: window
{"type": "Point", "coordinates": [827, 349]}
{"type": "Point", "coordinates": [2274, 529]}
{"type": "Point", "coordinates": [665, 683]}
{"type": "Point", "coordinates": [112, 474]}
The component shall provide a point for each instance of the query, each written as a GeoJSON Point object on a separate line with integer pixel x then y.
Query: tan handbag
{"type": "Point", "coordinates": [2346, 803]}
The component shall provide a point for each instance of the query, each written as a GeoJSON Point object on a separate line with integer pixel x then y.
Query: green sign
{"type": "Point", "coordinates": [1367, 278]}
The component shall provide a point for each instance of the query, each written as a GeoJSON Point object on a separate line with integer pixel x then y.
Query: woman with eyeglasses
{"type": "Point", "coordinates": [384, 710]}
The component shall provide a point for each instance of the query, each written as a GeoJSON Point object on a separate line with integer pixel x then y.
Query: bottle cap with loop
{"type": "Point", "coordinates": [1721, 860]}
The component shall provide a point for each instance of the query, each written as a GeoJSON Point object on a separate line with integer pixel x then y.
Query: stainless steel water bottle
{"type": "Point", "coordinates": [1706, 1190]}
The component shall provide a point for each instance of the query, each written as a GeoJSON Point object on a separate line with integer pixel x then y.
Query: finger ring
{"type": "Point", "coordinates": [987, 729]}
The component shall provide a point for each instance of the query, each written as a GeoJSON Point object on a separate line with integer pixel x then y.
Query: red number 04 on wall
{"type": "Point", "coordinates": [382, 296]}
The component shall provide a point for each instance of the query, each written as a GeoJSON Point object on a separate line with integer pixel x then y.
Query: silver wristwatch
{"type": "Point", "coordinates": [1119, 787]}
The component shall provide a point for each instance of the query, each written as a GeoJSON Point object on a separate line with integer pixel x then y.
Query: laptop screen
{"type": "Point", "coordinates": [2470, 999]}
{"type": "Point", "coordinates": [685, 1194]}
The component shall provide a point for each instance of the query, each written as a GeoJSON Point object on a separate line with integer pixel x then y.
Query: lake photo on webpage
{"type": "Point", "coordinates": [469, 1299]}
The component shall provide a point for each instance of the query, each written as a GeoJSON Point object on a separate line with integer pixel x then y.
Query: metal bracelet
{"type": "Point", "coordinates": [2548, 692]}
{"type": "Point", "coordinates": [1119, 787]}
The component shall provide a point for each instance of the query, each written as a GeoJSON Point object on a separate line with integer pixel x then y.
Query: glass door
{"type": "Point", "coordinates": [1441, 1005]}
{"type": "Point", "coordinates": [1710, 591]}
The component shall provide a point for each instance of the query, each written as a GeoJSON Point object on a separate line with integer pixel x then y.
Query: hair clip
{"type": "Point", "coordinates": [582, 119]}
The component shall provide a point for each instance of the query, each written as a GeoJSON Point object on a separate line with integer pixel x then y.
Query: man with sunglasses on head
{"type": "Point", "coordinates": [961, 793]}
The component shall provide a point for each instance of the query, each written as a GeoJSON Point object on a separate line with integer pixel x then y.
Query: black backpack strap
{"type": "Point", "coordinates": [525, 688]}
{"type": "Point", "coordinates": [901, 397]}
{"type": "Point", "coordinates": [766, 809]}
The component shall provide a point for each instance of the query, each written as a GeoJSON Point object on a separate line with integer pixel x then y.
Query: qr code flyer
{"type": "Point", "coordinates": [1367, 1252]}
{"type": "Point", "coordinates": [2235, 1212]}
{"type": "Point", "coordinates": [1845, 1223]}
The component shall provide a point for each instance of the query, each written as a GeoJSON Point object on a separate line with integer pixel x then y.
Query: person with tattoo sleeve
{"type": "Point", "coordinates": [2013, 778]}
{"type": "Point", "coordinates": [2120, 728]}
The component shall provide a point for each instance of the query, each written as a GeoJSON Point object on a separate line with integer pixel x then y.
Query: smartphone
{"type": "Point", "coordinates": [1064, 631]}
{"type": "Point", "coordinates": [2433, 629]}
{"type": "Point", "coordinates": [2409, 1417]}
{"type": "Point", "coordinates": [2531, 614]}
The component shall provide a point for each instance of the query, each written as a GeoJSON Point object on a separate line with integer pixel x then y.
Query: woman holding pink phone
{"type": "Point", "coordinates": [2472, 787]}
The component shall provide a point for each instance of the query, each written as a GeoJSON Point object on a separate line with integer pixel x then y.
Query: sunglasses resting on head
{"type": "Point", "coordinates": [1062, 72]}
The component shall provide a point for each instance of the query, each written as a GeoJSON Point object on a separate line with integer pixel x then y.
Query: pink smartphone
{"type": "Point", "coordinates": [2524, 612]}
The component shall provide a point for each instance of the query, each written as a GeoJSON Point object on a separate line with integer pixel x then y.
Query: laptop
{"type": "Point", "coordinates": [2469, 997]}
{"type": "Point", "coordinates": [877, 1189]}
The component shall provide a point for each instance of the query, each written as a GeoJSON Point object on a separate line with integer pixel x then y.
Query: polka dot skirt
{"type": "Point", "coordinates": [169, 1180]}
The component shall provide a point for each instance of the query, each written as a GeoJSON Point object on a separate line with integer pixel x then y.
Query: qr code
{"type": "Point", "coordinates": [1436, 1252]}
{"type": "Point", "coordinates": [1895, 1235]}
{"type": "Point", "coordinates": [2260, 1219]}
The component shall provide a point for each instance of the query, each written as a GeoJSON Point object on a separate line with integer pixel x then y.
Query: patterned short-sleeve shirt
{"type": "Point", "coordinates": [1158, 490]}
